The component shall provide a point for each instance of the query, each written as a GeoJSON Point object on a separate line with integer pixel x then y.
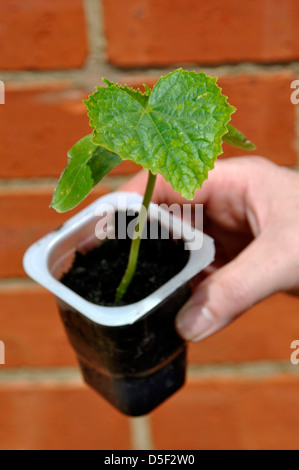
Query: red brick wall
{"type": "Point", "coordinates": [242, 390]}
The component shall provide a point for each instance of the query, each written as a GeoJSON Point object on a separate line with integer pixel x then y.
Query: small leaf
{"type": "Point", "coordinates": [235, 138]}
{"type": "Point", "coordinates": [175, 130]}
{"type": "Point", "coordinates": [88, 164]}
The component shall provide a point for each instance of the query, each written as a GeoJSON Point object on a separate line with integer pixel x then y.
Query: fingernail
{"type": "Point", "coordinates": [194, 322]}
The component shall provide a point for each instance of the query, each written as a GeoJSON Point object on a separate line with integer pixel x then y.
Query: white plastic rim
{"type": "Point", "coordinates": [46, 259]}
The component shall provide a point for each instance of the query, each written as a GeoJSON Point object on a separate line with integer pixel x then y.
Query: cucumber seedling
{"type": "Point", "coordinates": [176, 130]}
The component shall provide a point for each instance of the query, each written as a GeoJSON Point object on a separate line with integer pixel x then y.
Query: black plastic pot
{"type": "Point", "coordinates": [135, 367]}
{"type": "Point", "coordinates": [132, 355]}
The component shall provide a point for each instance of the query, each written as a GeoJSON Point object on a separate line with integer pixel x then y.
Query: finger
{"type": "Point", "coordinates": [230, 291]}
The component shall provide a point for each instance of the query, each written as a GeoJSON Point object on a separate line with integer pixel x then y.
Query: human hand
{"type": "Point", "coordinates": [251, 209]}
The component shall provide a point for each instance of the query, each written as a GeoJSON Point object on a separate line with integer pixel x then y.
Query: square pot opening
{"type": "Point", "coordinates": [53, 255]}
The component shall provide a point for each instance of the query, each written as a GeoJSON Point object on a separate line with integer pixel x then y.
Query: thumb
{"type": "Point", "coordinates": [228, 292]}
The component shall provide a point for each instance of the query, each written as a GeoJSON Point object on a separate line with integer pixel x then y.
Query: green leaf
{"type": "Point", "coordinates": [175, 130]}
{"type": "Point", "coordinates": [137, 95]}
{"type": "Point", "coordinates": [235, 138]}
{"type": "Point", "coordinates": [88, 164]}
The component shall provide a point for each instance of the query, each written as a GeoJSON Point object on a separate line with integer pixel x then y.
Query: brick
{"type": "Point", "coordinates": [151, 32]}
{"type": "Point", "coordinates": [31, 329]}
{"type": "Point", "coordinates": [52, 118]}
{"type": "Point", "coordinates": [230, 414]}
{"type": "Point", "coordinates": [39, 124]}
{"type": "Point", "coordinates": [261, 100]}
{"type": "Point", "coordinates": [42, 35]}
{"type": "Point", "coordinates": [59, 417]}
{"type": "Point", "coordinates": [265, 332]}
{"type": "Point", "coordinates": [26, 217]}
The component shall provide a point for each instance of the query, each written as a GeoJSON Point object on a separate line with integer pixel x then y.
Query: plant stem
{"type": "Point", "coordinates": [135, 245]}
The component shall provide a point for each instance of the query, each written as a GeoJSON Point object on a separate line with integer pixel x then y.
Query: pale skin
{"type": "Point", "coordinates": [251, 209]}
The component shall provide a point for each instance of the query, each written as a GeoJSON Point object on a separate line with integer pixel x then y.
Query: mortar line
{"type": "Point", "coordinates": [93, 16]}
{"type": "Point", "coordinates": [141, 433]}
{"type": "Point", "coordinates": [36, 376]}
{"type": "Point", "coordinates": [32, 181]}
{"type": "Point", "coordinates": [51, 182]}
{"type": "Point", "coordinates": [91, 73]}
{"type": "Point", "coordinates": [250, 370]}
{"type": "Point", "coordinates": [18, 283]}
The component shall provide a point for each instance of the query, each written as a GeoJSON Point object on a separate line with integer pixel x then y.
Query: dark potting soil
{"type": "Point", "coordinates": [96, 275]}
